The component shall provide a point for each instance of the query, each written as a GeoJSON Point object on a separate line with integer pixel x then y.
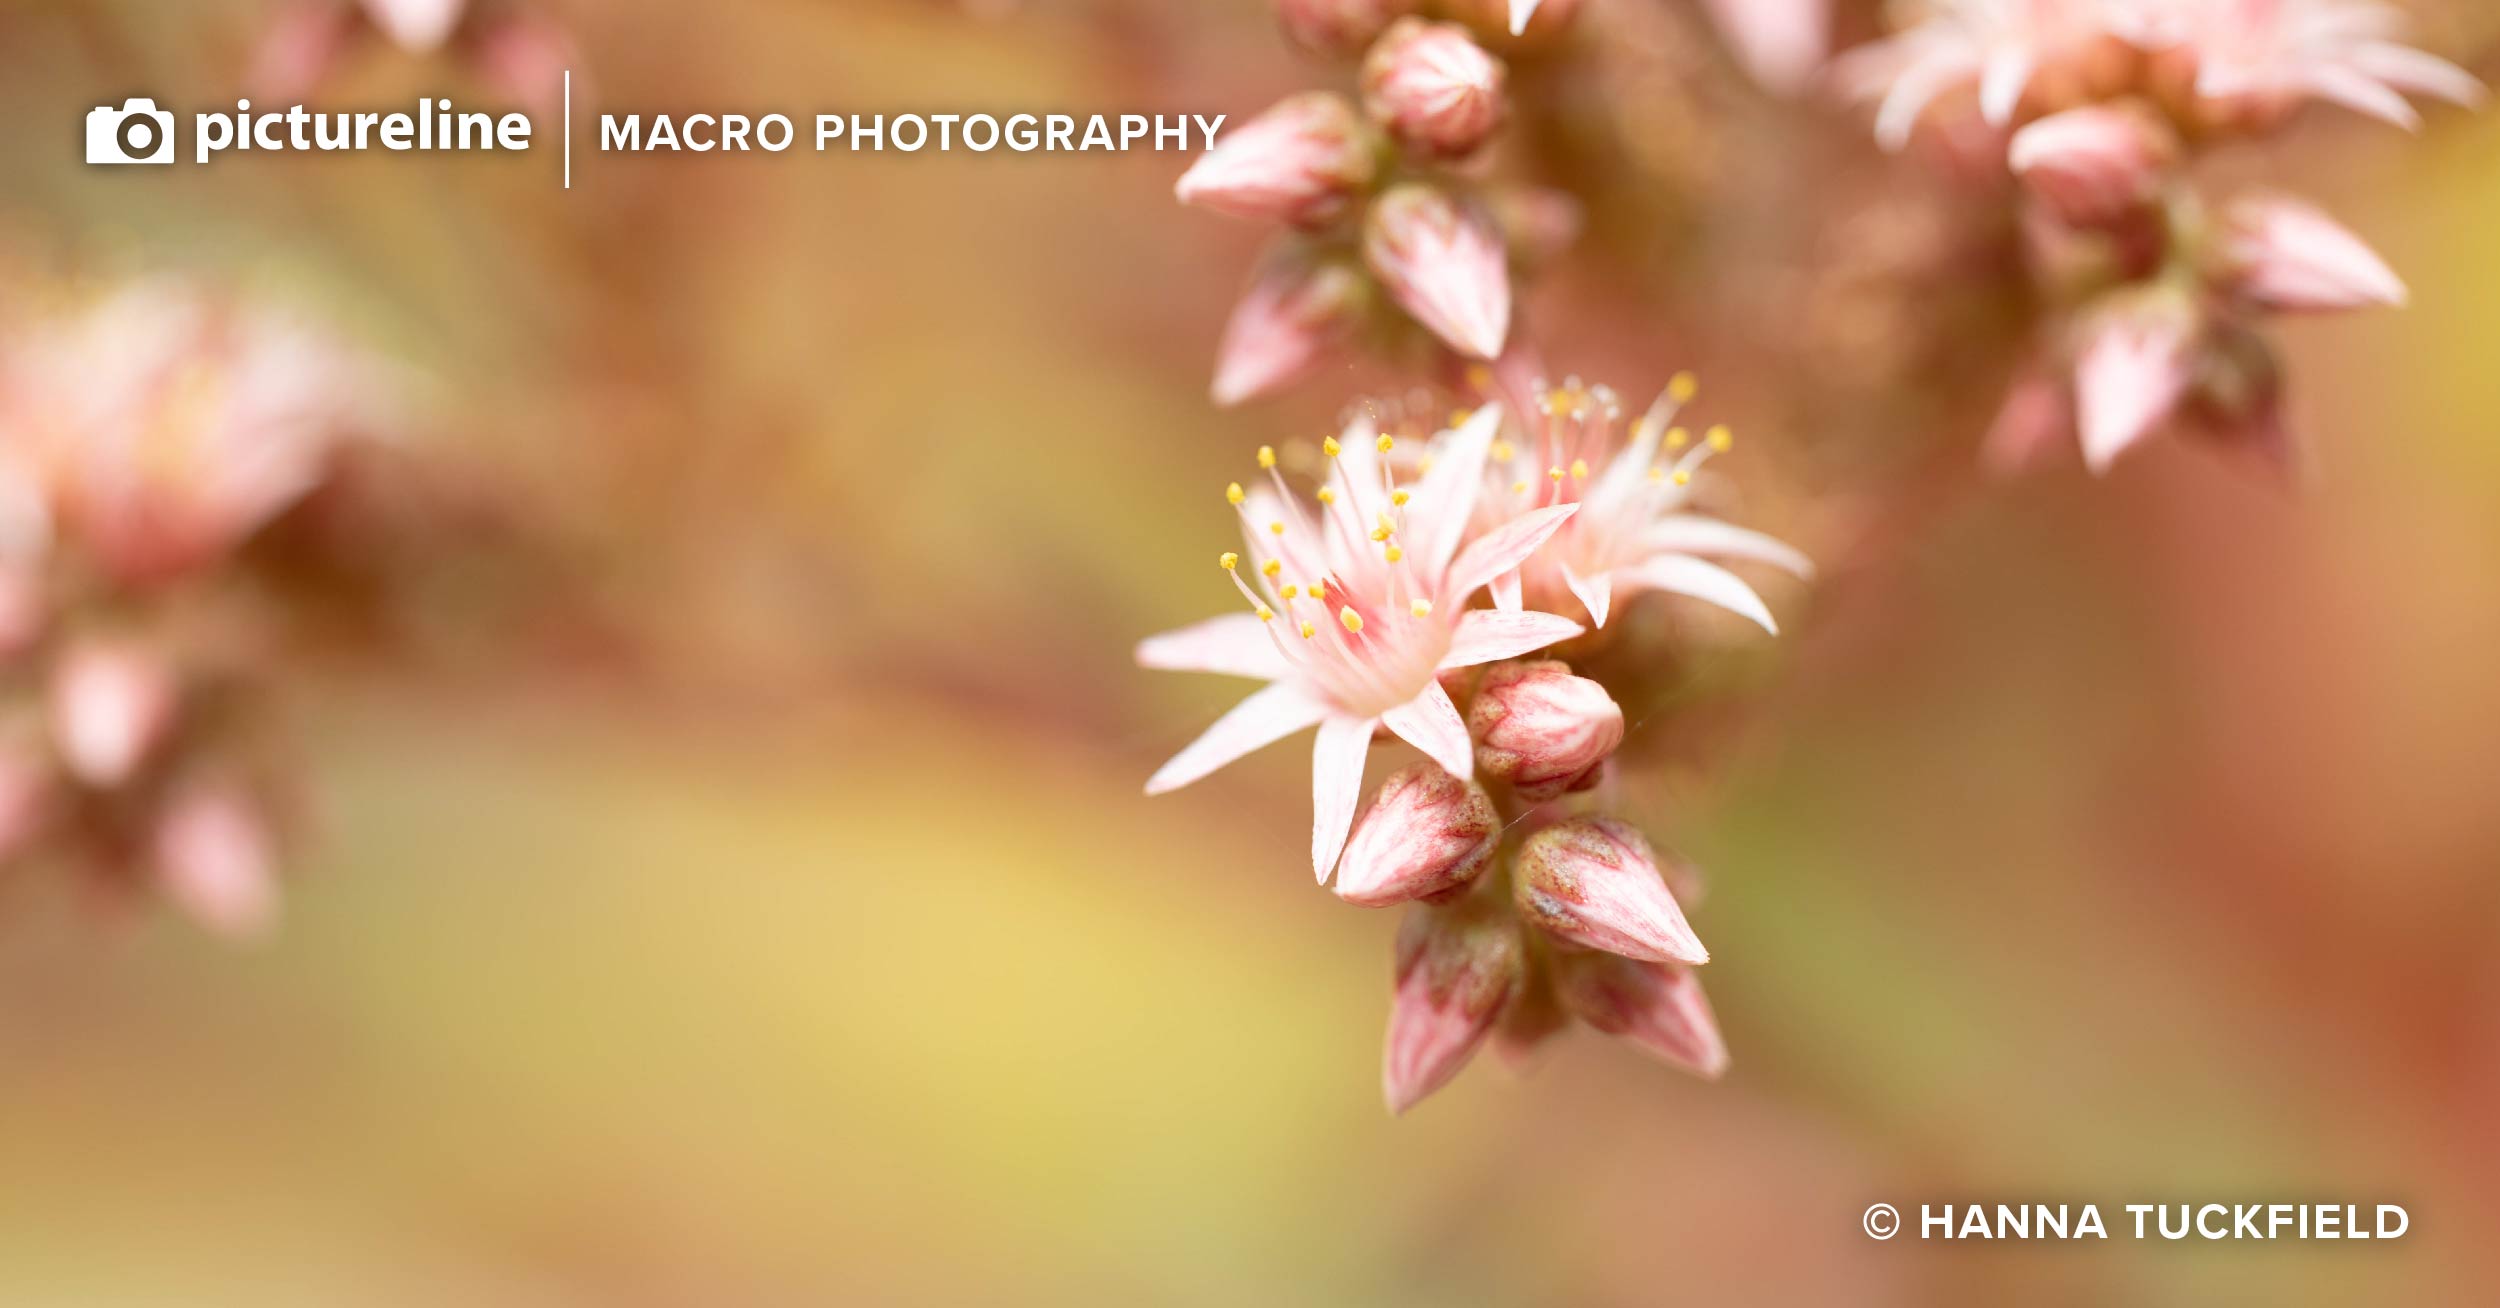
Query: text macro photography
{"type": "Point", "coordinates": [1390, 653]}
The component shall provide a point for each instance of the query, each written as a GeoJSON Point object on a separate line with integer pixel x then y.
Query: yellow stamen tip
{"type": "Point", "coordinates": [1399, 498]}
{"type": "Point", "coordinates": [1579, 470]}
{"type": "Point", "coordinates": [1678, 438]}
{"type": "Point", "coordinates": [1519, 488]}
{"type": "Point", "coordinates": [1502, 450]}
{"type": "Point", "coordinates": [1233, 494]}
{"type": "Point", "coordinates": [1272, 567]}
{"type": "Point", "coordinates": [1479, 376]}
{"type": "Point", "coordinates": [1555, 473]}
{"type": "Point", "coordinates": [1682, 387]}
{"type": "Point", "coordinates": [1291, 592]}
{"type": "Point", "coordinates": [1380, 534]}
{"type": "Point", "coordinates": [1683, 477]}
{"type": "Point", "coordinates": [1267, 456]}
{"type": "Point", "coordinates": [1275, 529]}
{"type": "Point", "coordinates": [1266, 614]}
{"type": "Point", "coordinates": [1657, 474]}
{"type": "Point", "coordinates": [1421, 608]}
{"type": "Point", "coordinates": [1309, 631]}
{"type": "Point", "coordinates": [1331, 448]}
{"type": "Point", "coordinates": [1228, 560]}
{"type": "Point", "coordinates": [1387, 443]}
{"type": "Point", "coordinates": [1721, 439]}
{"type": "Point", "coordinates": [1352, 620]}
{"type": "Point", "coordinates": [1394, 554]}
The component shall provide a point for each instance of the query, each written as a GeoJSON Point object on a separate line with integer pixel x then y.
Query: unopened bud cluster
{"type": "Point", "coordinates": [2158, 293]}
{"type": "Point", "coordinates": [1389, 241]}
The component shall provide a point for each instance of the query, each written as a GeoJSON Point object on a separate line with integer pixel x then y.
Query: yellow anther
{"type": "Point", "coordinates": [1519, 488]}
{"type": "Point", "coordinates": [1309, 631]}
{"type": "Point", "coordinates": [1458, 417]}
{"type": "Point", "coordinates": [1721, 439]}
{"type": "Point", "coordinates": [1267, 456]}
{"type": "Point", "coordinates": [1579, 470]}
{"type": "Point", "coordinates": [1233, 494]}
{"type": "Point", "coordinates": [1479, 376]}
{"type": "Point", "coordinates": [1682, 387]}
{"type": "Point", "coordinates": [1266, 614]}
{"type": "Point", "coordinates": [1272, 567]}
{"type": "Point", "coordinates": [1502, 450]}
{"type": "Point", "coordinates": [1683, 477]}
{"type": "Point", "coordinates": [1352, 620]}
{"type": "Point", "coordinates": [1554, 473]}
{"type": "Point", "coordinates": [1557, 403]}
{"type": "Point", "coordinates": [1229, 560]}
{"type": "Point", "coordinates": [1393, 553]}
{"type": "Point", "coordinates": [1678, 438]}
{"type": "Point", "coordinates": [1275, 529]}
{"type": "Point", "coordinates": [1399, 498]}
{"type": "Point", "coordinates": [1291, 592]}
{"type": "Point", "coordinates": [1380, 534]}
{"type": "Point", "coordinates": [1331, 448]}
{"type": "Point", "coordinates": [1657, 474]}
{"type": "Point", "coordinates": [1327, 494]}
{"type": "Point", "coordinates": [1421, 608]}
{"type": "Point", "coordinates": [1386, 443]}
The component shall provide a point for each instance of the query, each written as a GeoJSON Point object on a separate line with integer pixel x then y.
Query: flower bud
{"type": "Point", "coordinates": [1426, 834]}
{"type": "Point", "coordinates": [1594, 882]}
{"type": "Point", "coordinates": [416, 26]}
{"type": "Point", "coordinates": [1659, 1007]}
{"type": "Point", "coordinates": [215, 861]}
{"type": "Point", "coordinates": [1338, 27]}
{"type": "Point", "coordinates": [1543, 730]}
{"type": "Point", "coordinates": [1444, 264]}
{"type": "Point", "coordinates": [112, 705]}
{"type": "Point", "coordinates": [2131, 370]}
{"type": "Point", "coordinates": [1293, 316]}
{"type": "Point", "coordinates": [2096, 165]}
{"type": "Point", "coordinates": [1456, 967]}
{"type": "Point", "coordinates": [1435, 90]}
{"type": "Point", "coordinates": [1301, 162]}
{"type": "Point", "coordinates": [2284, 255]}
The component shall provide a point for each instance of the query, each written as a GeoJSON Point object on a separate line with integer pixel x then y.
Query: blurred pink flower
{"type": "Point", "coordinates": [2096, 164]}
{"type": "Point", "coordinates": [1781, 42]}
{"type": "Point", "coordinates": [1302, 162]}
{"type": "Point", "coordinates": [1426, 834]}
{"type": "Point", "coordinates": [1355, 609]}
{"type": "Point", "coordinates": [1595, 882]}
{"type": "Point", "coordinates": [1339, 27]}
{"type": "Point", "coordinates": [1443, 261]}
{"type": "Point", "coordinates": [2254, 60]}
{"type": "Point", "coordinates": [1658, 1006]}
{"type": "Point", "coordinates": [2131, 370]}
{"type": "Point", "coordinates": [112, 705]}
{"type": "Point", "coordinates": [1633, 532]}
{"type": "Point", "coordinates": [1457, 966]}
{"type": "Point", "coordinates": [215, 860]}
{"type": "Point", "coordinates": [2000, 47]}
{"type": "Point", "coordinates": [1298, 312]}
{"type": "Point", "coordinates": [2287, 256]}
{"type": "Point", "coordinates": [1433, 88]}
{"type": "Point", "coordinates": [1543, 730]}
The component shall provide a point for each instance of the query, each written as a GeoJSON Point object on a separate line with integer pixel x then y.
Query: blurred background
{"type": "Point", "coordinates": [733, 886]}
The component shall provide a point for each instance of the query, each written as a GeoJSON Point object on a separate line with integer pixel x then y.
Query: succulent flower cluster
{"type": "Point", "coordinates": [2101, 108]}
{"type": "Point", "coordinates": [1419, 594]}
{"type": "Point", "coordinates": [147, 435]}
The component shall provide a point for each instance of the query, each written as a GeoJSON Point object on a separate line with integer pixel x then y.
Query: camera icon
{"type": "Point", "coordinates": [136, 133]}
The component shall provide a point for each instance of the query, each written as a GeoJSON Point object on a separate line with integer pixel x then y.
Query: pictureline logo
{"type": "Point", "coordinates": [141, 133]}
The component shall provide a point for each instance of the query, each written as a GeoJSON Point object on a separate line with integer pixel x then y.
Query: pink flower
{"type": "Point", "coordinates": [1633, 532]}
{"type": "Point", "coordinates": [1457, 966]}
{"type": "Point", "coordinates": [1595, 882]}
{"type": "Point", "coordinates": [1657, 1006]}
{"type": "Point", "coordinates": [1356, 607]}
{"type": "Point", "coordinates": [1543, 730]}
{"type": "Point", "coordinates": [1295, 315]}
{"type": "Point", "coordinates": [1426, 834]}
{"type": "Point", "coordinates": [1443, 262]}
{"type": "Point", "coordinates": [2285, 255]}
{"type": "Point", "coordinates": [2001, 47]}
{"type": "Point", "coordinates": [215, 861]}
{"type": "Point", "coordinates": [2254, 60]}
{"type": "Point", "coordinates": [2095, 165]}
{"type": "Point", "coordinates": [1433, 88]}
{"type": "Point", "coordinates": [1338, 27]}
{"type": "Point", "coordinates": [112, 705]}
{"type": "Point", "coordinates": [2132, 370]}
{"type": "Point", "coordinates": [1780, 42]}
{"type": "Point", "coordinates": [1301, 162]}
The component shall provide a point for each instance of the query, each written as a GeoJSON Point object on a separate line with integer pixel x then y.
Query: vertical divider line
{"type": "Point", "coordinates": [568, 129]}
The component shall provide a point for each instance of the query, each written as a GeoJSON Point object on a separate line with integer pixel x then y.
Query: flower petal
{"type": "Point", "coordinates": [1506, 590]}
{"type": "Point", "coordinates": [1235, 645]}
{"type": "Point", "coordinates": [1430, 722]}
{"type": "Point", "coordinates": [1444, 499]}
{"type": "Point", "coordinates": [1682, 575]}
{"type": "Point", "coordinates": [2408, 69]}
{"type": "Point", "coordinates": [1520, 12]}
{"type": "Point", "coordinates": [1500, 550]}
{"type": "Point", "coordinates": [2001, 85]}
{"type": "Point", "coordinates": [1594, 593]}
{"type": "Point", "coordinates": [1336, 786]}
{"type": "Point", "coordinates": [1491, 635]}
{"type": "Point", "coordinates": [1263, 719]}
{"type": "Point", "coordinates": [1691, 533]}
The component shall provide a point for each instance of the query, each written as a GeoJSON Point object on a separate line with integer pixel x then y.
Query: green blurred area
{"type": "Point", "coordinates": [2119, 842]}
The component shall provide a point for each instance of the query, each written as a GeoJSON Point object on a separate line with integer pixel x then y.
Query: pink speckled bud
{"type": "Point", "coordinates": [112, 705]}
{"type": "Point", "coordinates": [1456, 968]}
{"type": "Point", "coordinates": [1426, 834]}
{"type": "Point", "coordinates": [216, 861]}
{"type": "Point", "coordinates": [1659, 1007]}
{"type": "Point", "coordinates": [1339, 27]}
{"type": "Point", "coordinates": [1443, 262]}
{"type": "Point", "coordinates": [1301, 162]}
{"type": "Point", "coordinates": [2096, 165]}
{"type": "Point", "coordinates": [1294, 316]}
{"type": "Point", "coordinates": [1436, 91]}
{"type": "Point", "coordinates": [2288, 256]}
{"type": "Point", "coordinates": [1543, 730]}
{"type": "Point", "coordinates": [1595, 882]}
